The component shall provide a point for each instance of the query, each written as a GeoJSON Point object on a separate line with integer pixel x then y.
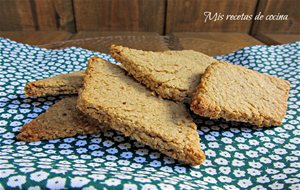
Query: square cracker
{"type": "Point", "coordinates": [236, 93]}
{"type": "Point", "coordinates": [109, 95]}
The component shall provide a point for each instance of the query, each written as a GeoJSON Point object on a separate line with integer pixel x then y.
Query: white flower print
{"type": "Point", "coordinates": [149, 187]}
{"type": "Point", "coordinates": [269, 145]}
{"type": "Point", "coordinates": [210, 153]}
{"type": "Point", "coordinates": [124, 146]}
{"type": "Point", "coordinates": [243, 146]}
{"type": "Point", "coordinates": [155, 163]}
{"type": "Point", "coordinates": [89, 188]}
{"type": "Point", "coordinates": [230, 148]}
{"type": "Point", "coordinates": [238, 163]}
{"type": "Point", "coordinates": [16, 181]}
{"type": "Point", "coordinates": [112, 182]}
{"type": "Point", "coordinates": [275, 157]}
{"type": "Point", "coordinates": [122, 176]}
{"type": "Point", "coordinates": [252, 154]}
{"type": "Point", "coordinates": [34, 188]}
{"type": "Point", "coordinates": [292, 180]}
{"type": "Point", "coordinates": [280, 151]}
{"type": "Point", "coordinates": [126, 155]}
{"type": "Point", "coordinates": [123, 162]}
{"type": "Point", "coordinates": [166, 186]}
{"type": "Point", "coordinates": [253, 142]}
{"type": "Point", "coordinates": [263, 179]}
{"type": "Point", "coordinates": [56, 183]}
{"type": "Point", "coordinates": [279, 165]}
{"type": "Point", "coordinates": [81, 150]}
{"type": "Point", "coordinates": [196, 174]}
{"type": "Point", "coordinates": [230, 187]}
{"type": "Point", "coordinates": [211, 171]}
{"type": "Point", "coordinates": [279, 176]}
{"type": "Point", "coordinates": [112, 150]}
{"type": "Point", "coordinates": [295, 186]}
{"type": "Point", "coordinates": [253, 172]}
{"type": "Point", "coordinates": [78, 182]}
{"type": "Point", "coordinates": [221, 161]}
{"type": "Point", "coordinates": [225, 154]}
{"type": "Point", "coordinates": [79, 173]}
{"type": "Point", "coordinates": [225, 179]}
{"type": "Point", "coordinates": [97, 153]}
{"type": "Point", "coordinates": [262, 150]}
{"type": "Point", "coordinates": [226, 140]}
{"type": "Point", "coordinates": [81, 143]}
{"type": "Point", "coordinates": [213, 145]}
{"type": "Point", "coordinates": [135, 165]}
{"type": "Point", "coordinates": [96, 177]}
{"type": "Point", "coordinates": [276, 186]}
{"type": "Point", "coordinates": [142, 180]}
{"type": "Point", "coordinates": [140, 159]}
{"type": "Point", "coordinates": [180, 169]}
{"type": "Point", "coordinates": [130, 187]}
{"type": "Point", "coordinates": [244, 183]}
{"type": "Point", "coordinates": [255, 164]}
{"type": "Point", "coordinates": [265, 160]}
{"type": "Point", "coordinates": [111, 157]}
{"type": "Point", "coordinates": [225, 170]}
{"type": "Point", "coordinates": [27, 169]}
{"type": "Point", "coordinates": [5, 173]}
{"type": "Point", "coordinates": [227, 134]}
{"type": "Point", "coordinates": [258, 187]}
{"type": "Point", "coordinates": [210, 180]}
{"type": "Point", "coordinates": [238, 173]}
{"type": "Point", "coordinates": [289, 170]}
{"type": "Point", "coordinates": [166, 169]}
{"type": "Point", "coordinates": [271, 171]}
{"type": "Point", "coordinates": [239, 155]}
{"type": "Point", "coordinates": [240, 139]}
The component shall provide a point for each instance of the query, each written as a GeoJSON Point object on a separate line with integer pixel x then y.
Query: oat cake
{"type": "Point", "coordinates": [109, 95]}
{"type": "Point", "coordinates": [171, 74]}
{"type": "Point", "coordinates": [236, 93]}
{"type": "Point", "coordinates": [61, 84]}
{"type": "Point", "coordinates": [60, 121]}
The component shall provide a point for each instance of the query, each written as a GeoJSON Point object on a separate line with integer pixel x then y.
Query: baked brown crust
{"type": "Point", "coordinates": [60, 121]}
{"type": "Point", "coordinates": [171, 74]}
{"type": "Point", "coordinates": [236, 93]}
{"type": "Point", "coordinates": [61, 84]}
{"type": "Point", "coordinates": [109, 95]}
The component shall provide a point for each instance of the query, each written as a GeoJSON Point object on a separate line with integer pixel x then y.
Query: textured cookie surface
{"type": "Point", "coordinates": [60, 121]}
{"type": "Point", "coordinates": [236, 93]}
{"type": "Point", "coordinates": [171, 74]}
{"type": "Point", "coordinates": [111, 96]}
{"type": "Point", "coordinates": [61, 84]}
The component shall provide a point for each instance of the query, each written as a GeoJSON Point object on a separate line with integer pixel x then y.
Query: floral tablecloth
{"type": "Point", "coordinates": [239, 156]}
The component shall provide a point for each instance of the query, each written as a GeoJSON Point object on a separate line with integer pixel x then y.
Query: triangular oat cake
{"type": "Point", "coordinates": [171, 74]}
{"type": "Point", "coordinates": [109, 95]}
{"type": "Point", "coordinates": [61, 84]}
{"type": "Point", "coordinates": [60, 121]}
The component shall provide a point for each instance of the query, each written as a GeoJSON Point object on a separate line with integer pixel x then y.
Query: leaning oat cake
{"type": "Point", "coordinates": [171, 74]}
{"type": "Point", "coordinates": [61, 84]}
{"type": "Point", "coordinates": [109, 95]}
{"type": "Point", "coordinates": [236, 93]}
{"type": "Point", "coordinates": [60, 121]}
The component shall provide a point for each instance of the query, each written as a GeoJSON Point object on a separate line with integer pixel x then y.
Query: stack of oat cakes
{"type": "Point", "coordinates": [146, 98]}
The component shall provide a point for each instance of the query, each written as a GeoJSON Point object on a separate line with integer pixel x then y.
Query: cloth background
{"type": "Point", "coordinates": [239, 156]}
